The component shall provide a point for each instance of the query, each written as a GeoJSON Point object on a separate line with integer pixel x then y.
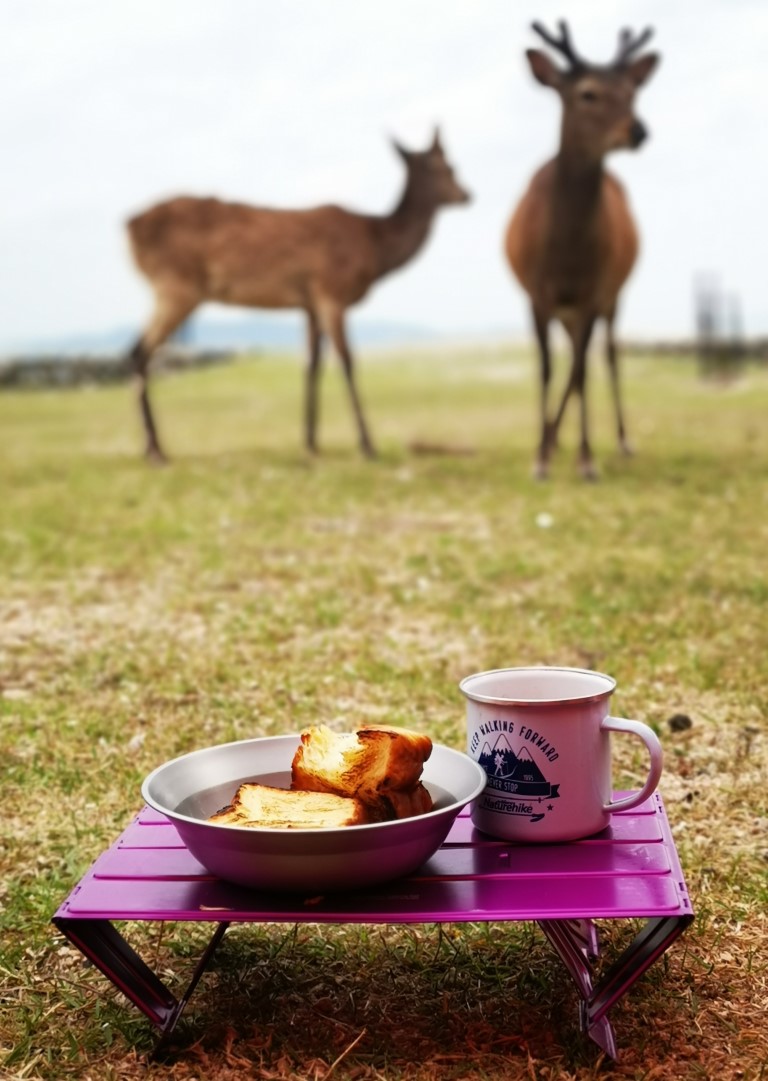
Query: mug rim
{"type": "Point", "coordinates": [544, 703]}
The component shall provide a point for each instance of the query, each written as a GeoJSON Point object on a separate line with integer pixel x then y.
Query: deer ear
{"type": "Point", "coordinates": [436, 142]}
{"type": "Point", "coordinates": [400, 150]}
{"type": "Point", "coordinates": [544, 71]}
{"type": "Point", "coordinates": [640, 70]}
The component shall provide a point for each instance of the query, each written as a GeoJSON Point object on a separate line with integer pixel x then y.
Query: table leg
{"type": "Point", "coordinates": [103, 944]}
{"type": "Point", "coordinates": [575, 942]}
{"type": "Point", "coordinates": [653, 939]}
{"type": "Point", "coordinates": [585, 933]}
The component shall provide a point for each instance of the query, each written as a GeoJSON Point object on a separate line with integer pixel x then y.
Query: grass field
{"type": "Point", "coordinates": [247, 590]}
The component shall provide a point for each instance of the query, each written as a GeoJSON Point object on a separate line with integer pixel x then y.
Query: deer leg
{"type": "Point", "coordinates": [167, 317]}
{"type": "Point", "coordinates": [554, 426]}
{"type": "Point", "coordinates": [315, 346]}
{"type": "Point", "coordinates": [546, 443]}
{"type": "Point", "coordinates": [586, 464]}
{"type": "Point", "coordinates": [579, 335]}
{"type": "Point", "coordinates": [140, 357]}
{"type": "Point", "coordinates": [613, 371]}
{"type": "Point", "coordinates": [334, 318]}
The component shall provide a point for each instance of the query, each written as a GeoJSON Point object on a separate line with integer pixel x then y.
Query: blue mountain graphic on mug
{"type": "Point", "coordinates": [514, 772]}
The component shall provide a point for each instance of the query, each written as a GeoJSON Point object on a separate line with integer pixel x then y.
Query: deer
{"type": "Point", "coordinates": [572, 241]}
{"type": "Point", "coordinates": [320, 260]}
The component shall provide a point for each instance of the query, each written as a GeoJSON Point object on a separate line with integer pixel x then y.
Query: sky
{"type": "Point", "coordinates": [110, 107]}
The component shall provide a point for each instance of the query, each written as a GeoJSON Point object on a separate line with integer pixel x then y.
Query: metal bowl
{"type": "Point", "coordinates": [191, 788]}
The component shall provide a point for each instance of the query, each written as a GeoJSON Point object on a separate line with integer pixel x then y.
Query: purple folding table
{"type": "Point", "coordinates": [629, 871]}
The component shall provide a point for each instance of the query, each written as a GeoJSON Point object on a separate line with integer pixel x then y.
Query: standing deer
{"type": "Point", "coordinates": [320, 260]}
{"type": "Point", "coordinates": [572, 241]}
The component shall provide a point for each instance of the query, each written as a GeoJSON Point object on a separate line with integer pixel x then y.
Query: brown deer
{"type": "Point", "coordinates": [572, 241]}
{"type": "Point", "coordinates": [320, 260]}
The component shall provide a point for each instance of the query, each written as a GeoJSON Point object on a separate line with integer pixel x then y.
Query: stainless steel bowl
{"type": "Point", "coordinates": [191, 788]}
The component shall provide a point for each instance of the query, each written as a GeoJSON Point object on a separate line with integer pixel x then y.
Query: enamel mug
{"type": "Point", "coordinates": [543, 736]}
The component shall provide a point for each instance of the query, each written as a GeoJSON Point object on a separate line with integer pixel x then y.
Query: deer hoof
{"type": "Point", "coordinates": [541, 470]}
{"type": "Point", "coordinates": [588, 471]}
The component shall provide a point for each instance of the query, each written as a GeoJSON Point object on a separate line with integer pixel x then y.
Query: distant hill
{"type": "Point", "coordinates": [257, 332]}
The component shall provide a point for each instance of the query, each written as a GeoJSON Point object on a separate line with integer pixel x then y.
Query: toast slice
{"type": "Point", "coordinates": [378, 764]}
{"type": "Point", "coordinates": [402, 803]}
{"type": "Point", "coordinates": [259, 805]}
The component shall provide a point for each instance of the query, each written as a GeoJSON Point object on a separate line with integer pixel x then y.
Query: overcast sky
{"type": "Point", "coordinates": [108, 107]}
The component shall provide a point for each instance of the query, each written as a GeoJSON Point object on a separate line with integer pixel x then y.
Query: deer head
{"type": "Point", "coordinates": [431, 175]}
{"type": "Point", "coordinates": [598, 100]}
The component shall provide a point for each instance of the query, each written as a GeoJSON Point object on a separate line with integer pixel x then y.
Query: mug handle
{"type": "Point", "coordinates": [651, 741]}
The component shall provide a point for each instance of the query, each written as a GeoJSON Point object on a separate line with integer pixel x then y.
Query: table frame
{"type": "Point", "coordinates": [630, 871]}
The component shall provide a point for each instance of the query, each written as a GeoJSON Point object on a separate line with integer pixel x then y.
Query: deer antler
{"type": "Point", "coordinates": [563, 44]}
{"type": "Point", "coordinates": [629, 44]}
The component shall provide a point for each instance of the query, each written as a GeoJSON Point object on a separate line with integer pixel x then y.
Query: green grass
{"type": "Point", "coordinates": [249, 590]}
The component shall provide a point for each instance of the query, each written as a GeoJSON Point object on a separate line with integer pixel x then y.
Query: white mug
{"type": "Point", "coordinates": [542, 735]}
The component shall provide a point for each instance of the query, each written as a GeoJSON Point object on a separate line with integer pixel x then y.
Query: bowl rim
{"type": "Point", "coordinates": [453, 807]}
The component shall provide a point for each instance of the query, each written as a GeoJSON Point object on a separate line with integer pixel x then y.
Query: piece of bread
{"type": "Point", "coordinates": [403, 803]}
{"type": "Point", "coordinates": [378, 764]}
{"type": "Point", "coordinates": [262, 805]}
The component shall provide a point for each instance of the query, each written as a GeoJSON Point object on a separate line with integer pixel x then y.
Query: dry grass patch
{"type": "Point", "coordinates": [246, 591]}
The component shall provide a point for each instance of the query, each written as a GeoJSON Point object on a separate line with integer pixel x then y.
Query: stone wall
{"type": "Point", "coordinates": [49, 370]}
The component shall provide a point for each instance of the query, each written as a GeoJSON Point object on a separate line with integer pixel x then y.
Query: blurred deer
{"type": "Point", "coordinates": [572, 241]}
{"type": "Point", "coordinates": [320, 260]}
